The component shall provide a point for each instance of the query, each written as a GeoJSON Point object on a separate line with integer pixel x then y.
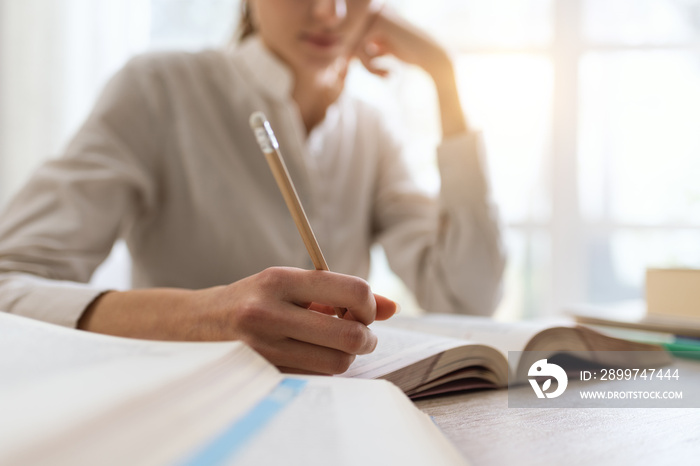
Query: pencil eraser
{"type": "Point", "coordinates": [257, 120]}
{"type": "Point", "coordinates": [263, 133]}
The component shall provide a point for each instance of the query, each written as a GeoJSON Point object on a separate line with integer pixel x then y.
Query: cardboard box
{"type": "Point", "coordinates": [673, 292]}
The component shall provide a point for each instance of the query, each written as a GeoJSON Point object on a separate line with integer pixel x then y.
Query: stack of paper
{"type": "Point", "coordinates": [69, 398]}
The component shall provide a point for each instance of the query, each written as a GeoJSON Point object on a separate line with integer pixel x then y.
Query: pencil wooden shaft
{"type": "Point", "coordinates": [270, 148]}
{"type": "Point", "coordinates": [291, 198]}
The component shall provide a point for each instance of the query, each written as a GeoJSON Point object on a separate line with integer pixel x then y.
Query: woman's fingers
{"type": "Point", "coordinates": [322, 308]}
{"type": "Point", "coordinates": [386, 308]}
{"type": "Point", "coordinates": [324, 288]}
{"type": "Point", "coordinates": [301, 357]}
{"type": "Point", "coordinates": [322, 330]}
{"type": "Point", "coordinates": [367, 52]}
{"type": "Point", "coordinates": [389, 34]}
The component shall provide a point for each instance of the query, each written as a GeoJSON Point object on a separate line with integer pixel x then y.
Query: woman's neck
{"type": "Point", "coordinates": [314, 91]}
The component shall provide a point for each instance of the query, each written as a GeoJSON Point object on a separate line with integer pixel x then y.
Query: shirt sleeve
{"type": "Point", "coordinates": [64, 222]}
{"type": "Point", "coordinates": [447, 250]}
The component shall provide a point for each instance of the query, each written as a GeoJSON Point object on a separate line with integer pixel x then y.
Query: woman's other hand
{"type": "Point", "coordinates": [388, 34]}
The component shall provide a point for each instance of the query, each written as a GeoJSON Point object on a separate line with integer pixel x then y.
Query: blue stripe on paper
{"type": "Point", "coordinates": [231, 441]}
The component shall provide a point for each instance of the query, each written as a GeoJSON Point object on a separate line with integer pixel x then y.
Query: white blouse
{"type": "Point", "coordinates": [168, 162]}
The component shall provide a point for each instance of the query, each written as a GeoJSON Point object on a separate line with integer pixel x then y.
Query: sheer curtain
{"type": "Point", "coordinates": [55, 57]}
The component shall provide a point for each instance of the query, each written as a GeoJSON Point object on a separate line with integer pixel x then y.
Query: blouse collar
{"type": "Point", "coordinates": [267, 72]}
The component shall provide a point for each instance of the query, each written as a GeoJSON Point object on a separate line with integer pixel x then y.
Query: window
{"type": "Point", "coordinates": [639, 146]}
{"type": "Point", "coordinates": [590, 110]}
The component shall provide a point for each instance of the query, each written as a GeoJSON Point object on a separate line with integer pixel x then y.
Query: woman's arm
{"type": "Point", "coordinates": [63, 223]}
{"type": "Point", "coordinates": [285, 314]}
{"type": "Point", "coordinates": [448, 251]}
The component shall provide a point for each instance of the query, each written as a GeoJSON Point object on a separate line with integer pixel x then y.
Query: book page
{"type": "Point", "coordinates": [350, 422]}
{"type": "Point", "coordinates": [55, 380]}
{"type": "Point", "coordinates": [504, 336]}
{"type": "Point", "coordinates": [396, 349]}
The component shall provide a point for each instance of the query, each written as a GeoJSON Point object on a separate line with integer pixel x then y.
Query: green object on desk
{"type": "Point", "coordinates": [684, 348]}
{"type": "Point", "coordinates": [680, 346]}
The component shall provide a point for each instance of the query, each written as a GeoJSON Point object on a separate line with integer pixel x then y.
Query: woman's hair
{"type": "Point", "coordinates": [245, 24]}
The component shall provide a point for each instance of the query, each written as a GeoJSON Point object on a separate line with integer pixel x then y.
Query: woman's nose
{"type": "Point", "coordinates": [331, 11]}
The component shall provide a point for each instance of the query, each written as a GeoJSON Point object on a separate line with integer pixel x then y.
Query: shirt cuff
{"type": "Point", "coordinates": [460, 161]}
{"type": "Point", "coordinates": [53, 301]}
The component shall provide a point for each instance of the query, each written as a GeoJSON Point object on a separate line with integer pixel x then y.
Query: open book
{"type": "Point", "coordinates": [443, 353]}
{"type": "Point", "coordinates": [69, 397]}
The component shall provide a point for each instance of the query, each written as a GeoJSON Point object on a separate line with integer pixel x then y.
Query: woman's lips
{"type": "Point", "coordinates": [324, 41]}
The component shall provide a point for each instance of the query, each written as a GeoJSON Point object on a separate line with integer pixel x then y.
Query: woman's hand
{"type": "Point", "coordinates": [388, 34]}
{"type": "Point", "coordinates": [285, 314]}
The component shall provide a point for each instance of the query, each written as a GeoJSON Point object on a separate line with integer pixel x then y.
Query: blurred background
{"type": "Point", "coordinates": [590, 111]}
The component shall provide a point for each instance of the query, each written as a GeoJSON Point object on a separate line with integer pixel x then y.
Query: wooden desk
{"type": "Point", "coordinates": [487, 432]}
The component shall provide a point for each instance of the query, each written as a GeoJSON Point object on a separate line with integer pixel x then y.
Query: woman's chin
{"type": "Point", "coordinates": [314, 56]}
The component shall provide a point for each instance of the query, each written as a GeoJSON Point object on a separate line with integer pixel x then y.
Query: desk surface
{"type": "Point", "coordinates": [487, 432]}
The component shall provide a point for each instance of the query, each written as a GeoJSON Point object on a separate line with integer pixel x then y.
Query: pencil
{"type": "Point", "coordinates": [270, 148]}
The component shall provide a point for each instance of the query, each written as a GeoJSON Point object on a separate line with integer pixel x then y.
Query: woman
{"type": "Point", "coordinates": [167, 161]}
